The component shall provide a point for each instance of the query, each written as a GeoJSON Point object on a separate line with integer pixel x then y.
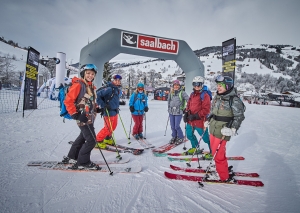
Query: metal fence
{"type": "Point", "coordinates": [12, 101]}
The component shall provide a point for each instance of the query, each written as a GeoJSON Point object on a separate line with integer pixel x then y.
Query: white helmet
{"type": "Point", "coordinates": [198, 79]}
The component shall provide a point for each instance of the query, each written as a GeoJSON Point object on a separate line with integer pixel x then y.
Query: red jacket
{"type": "Point", "coordinates": [73, 94]}
{"type": "Point", "coordinates": [201, 107]}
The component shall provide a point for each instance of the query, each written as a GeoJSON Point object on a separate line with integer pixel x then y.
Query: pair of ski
{"type": "Point", "coordinates": [171, 175]}
{"type": "Point", "coordinates": [58, 165]}
{"type": "Point", "coordinates": [160, 152]}
{"type": "Point", "coordinates": [144, 143]}
{"type": "Point", "coordinates": [121, 149]}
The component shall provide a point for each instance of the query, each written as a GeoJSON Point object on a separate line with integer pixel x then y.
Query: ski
{"type": "Point", "coordinates": [203, 158]}
{"type": "Point", "coordinates": [173, 176]}
{"type": "Point", "coordinates": [114, 168]}
{"type": "Point", "coordinates": [157, 154]}
{"type": "Point", "coordinates": [144, 143]}
{"type": "Point", "coordinates": [121, 149]}
{"type": "Point", "coordinates": [241, 174]}
{"type": "Point", "coordinates": [124, 159]}
{"type": "Point", "coordinates": [165, 147]}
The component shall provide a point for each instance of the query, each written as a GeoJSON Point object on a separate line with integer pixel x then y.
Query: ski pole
{"type": "Point", "coordinates": [130, 128]}
{"type": "Point", "coordinates": [188, 163]}
{"type": "Point", "coordinates": [145, 127]}
{"type": "Point", "coordinates": [110, 172]}
{"type": "Point", "coordinates": [184, 148]}
{"type": "Point", "coordinates": [167, 125]}
{"type": "Point", "coordinates": [112, 132]}
{"type": "Point", "coordinates": [124, 128]}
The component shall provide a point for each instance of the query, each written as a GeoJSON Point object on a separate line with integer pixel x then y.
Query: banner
{"type": "Point", "coordinates": [30, 88]}
{"type": "Point", "coordinates": [228, 57]}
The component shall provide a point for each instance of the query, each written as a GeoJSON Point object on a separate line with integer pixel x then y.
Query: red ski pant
{"type": "Point", "coordinates": [109, 123]}
{"type": "Point", "coordinates": [220, 158]}
{"type": "Point", "coordinates": [138, 124]}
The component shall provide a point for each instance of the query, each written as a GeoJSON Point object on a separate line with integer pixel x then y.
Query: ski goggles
{"type": "Point", "coordinates": [220, 78]}
{"type": "Point", "coordinates": [89, 67]}
{"type": "Point", "coordinates": [115, 77]}
{"type": "Point", "coordinates": [197, 84]}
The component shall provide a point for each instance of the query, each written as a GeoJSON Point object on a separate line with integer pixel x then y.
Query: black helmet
{"type": "Point", "coordinates": [88, 67]}
{"type": "Point", "coordinates": [226, 80]}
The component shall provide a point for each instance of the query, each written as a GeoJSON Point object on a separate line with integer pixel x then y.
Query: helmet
{"type": "Point", "coordinates": [198, 81]}
{"type": "Point", "coordinates": [226, 80]}
{"type": "Point", "coordinates": [140, 85]}
{"type": "Point", "coordinates": [176, 82]}
{"type": "Point", "coordinates": [88, 67]}
{"type": "Point", "coordinates": [116, 76]}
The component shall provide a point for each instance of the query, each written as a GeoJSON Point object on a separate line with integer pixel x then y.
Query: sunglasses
{"type": "Point", "coordinates": [220, 78]}
{"type": "Point", "coordinates": [197, 84]}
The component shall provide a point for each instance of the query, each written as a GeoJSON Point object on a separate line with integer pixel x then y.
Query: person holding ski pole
{"type": "Point", "coordinates": [80, 104]}
{"type": "Point", "coordinates": [227, 114]}
{"type": "Point", "coordinates": [138, 105]}
{"type": "Point", "coordinates": [196, 112]}
{"type": "Point", "coordinates": [108, 98]}
{"type": "Point", "coordinates": [177, 99]}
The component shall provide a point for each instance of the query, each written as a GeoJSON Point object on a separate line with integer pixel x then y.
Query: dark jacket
{"type": "Point", "coordinates": [112, 93]}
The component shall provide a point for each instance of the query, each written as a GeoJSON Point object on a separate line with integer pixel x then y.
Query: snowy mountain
{"type": "Point", "coordinates": [251, 59]}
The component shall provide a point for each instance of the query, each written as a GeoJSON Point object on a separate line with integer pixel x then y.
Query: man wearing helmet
{"type": "Point", "coordinates": [227, 114]}
{"type": "Point", "coordinates": [80, 103]}
{"type": "Point", "coordinates": [197, 110]}
{"type": "Point", "coordinates": [108, 98]}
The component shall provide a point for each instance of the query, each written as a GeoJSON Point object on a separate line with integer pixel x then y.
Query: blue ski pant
{"type": "Point", "coordinates": [175, 126]}
{"type": "Point", "coordinates": [191, 136]}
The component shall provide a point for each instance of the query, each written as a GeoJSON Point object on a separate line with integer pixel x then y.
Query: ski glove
{"type": "Point", "coordinates": [185, 117]}
{"type": "Point", "coordinates": [107, 107]}
{"type": "Point", "coordinates": [194, 117]}
{"type": "Point", "coordinates": [206, 124]}
{"type": "Point", "coordinates": [98, 110]}
{"type": "Point", "coordinates": [131, 109]}
{"type": "Point", "coordinates": [146, 109]}
{"type": "Point", "coordinates": [75, 116]}
{"type": "Point", "coordinates": [82, 118]}
{"type": "Point", "coordinates": [228, 131]}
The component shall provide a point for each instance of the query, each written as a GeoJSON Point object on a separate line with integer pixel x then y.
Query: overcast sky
{"type": "Point", "coordinates": [52, 26]}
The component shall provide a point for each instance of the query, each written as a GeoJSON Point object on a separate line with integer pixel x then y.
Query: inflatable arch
{"type": "Point", "coordinates": [116, 41]}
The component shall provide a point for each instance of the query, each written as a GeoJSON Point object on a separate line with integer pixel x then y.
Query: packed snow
{"type": "Point", "coordinates": [268, 139]}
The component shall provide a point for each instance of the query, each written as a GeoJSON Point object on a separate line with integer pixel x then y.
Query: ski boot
{"type": "Point", "coordinates": [136, 136]}
{"type": "Point", "coordinates": [67, 160]}
{"type": "Point", "coordinates": [178, 141]}
{"type": "Point", "coordinates": [173, 139]}
{"type": "Point", "coordinates": [212, 176]}
{"type": "Point", "coordinates": [109, 140]}
{"type": "Point", "coordinates": [141, 135]}
{"type": "Point", "coordinates": [101, 145]}
{"type": "Point", "coordinates": [90, 166]}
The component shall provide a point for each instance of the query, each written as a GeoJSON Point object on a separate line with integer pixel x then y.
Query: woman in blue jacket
{"type": "Point", "coordinates": [138, 105]}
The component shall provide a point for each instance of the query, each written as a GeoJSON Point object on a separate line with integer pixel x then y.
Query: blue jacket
{"type": "Point", "coordinates": [104, 94]}
{"type": "Point", "coordinates": [139, 101]}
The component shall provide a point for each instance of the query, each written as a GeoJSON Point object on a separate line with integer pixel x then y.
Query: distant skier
{"type": "Point", "coordinates": [197, 110]}
{"type": "Point", "coordinates": [176, 104]}
{"type": "Point", "coordinates": [84, 112]}
{"type": "Point", "coordinates": [227, 114]}
{"type": "Point", "coordinates": [138, 105]}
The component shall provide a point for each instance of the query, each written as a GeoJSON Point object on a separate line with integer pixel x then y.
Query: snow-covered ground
{"type": "Point", "coordinates": [268, 139]}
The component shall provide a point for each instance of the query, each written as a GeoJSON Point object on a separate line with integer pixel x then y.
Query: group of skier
{"type": "Point", "coordinates": [223, 115]}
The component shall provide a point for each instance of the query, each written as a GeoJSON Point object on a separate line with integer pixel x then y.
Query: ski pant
{"type": "Point", "coordinates": [191, 136]}
{"type": "Point", "coordinates": [220, 158]}
{"type": "Point", "coordinates": [175, 126]}
{"type": "Point", "coordinates": [83, 145]}
{"type": "Point", "coordinates": [110, 124]}
{"type": "Point", "coordinates": [138, 124]}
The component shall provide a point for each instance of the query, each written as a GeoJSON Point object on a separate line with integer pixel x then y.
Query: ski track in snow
{"type": "Point", "coordinates": [267, 139]}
